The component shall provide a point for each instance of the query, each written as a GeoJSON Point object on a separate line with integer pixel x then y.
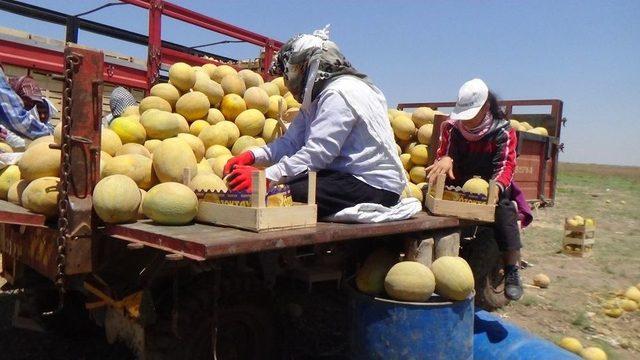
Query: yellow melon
{"type": "Point", "coordinates": [232, 131]}
{"type": "Point", "coordinates": [152, 144]}
{"type": "Point", "coordinates": [195, 143]}
{"type": "Point", "coordinates": [279, 82]}
{"type": "Point", "coordinates": [250, 78]}
{"type": "Point", "coordinates": [110, 141]}
{"type": "Point", "coordinates": [135, 166]}
{"type": "Point", "coordinates": [291, 101]}
{"type": "Point", "coordinates": [541, 280]}
{"type": "Point", "coordinates": [207, 182]}
{"type": "Point", "coordinates": [259, 142]}
{"type": "Point", "coordinates": [454, 278]}
{"type": "Point", "coordinates": [14, 193]}
{"type": "Point", "coordinates": [628, 305]}
{"type": "Point", "coordinates": [129, 130]}
{"type": "Point", "coordinates": [417, 174]}
{"type": "Point", "coordinates": [408, 146]}
{"type": "Point", "coordinates": [133, 148]}
{"type": "Point", "coordinates": [131, 110]}
{"type": "Point", "coordinates": [204, 167]}
{"type": "Point", "coordinates": [406, 161]}
{"type": "Point", "coordinates": [256, 98]}
{"type": "Point", "coordinates": [221, 71]}
{"type": "Point", "coordinates": [271, 89]}
{"type": "Point", "coordinates": [218, 163]}
{"type": "Point", "coordinates": [49, 139]}
{"type": "Point", "coordinates": [161, 124]}
{"type": "Point", "coordinates": [593, 353]}
{"type": "Point", "coordinates": [193, 105]}
{"type": "Point", "coordinates": [271, 130]}
{"type": "Point", "coordinates": [57, 134]}
{"type": "Point", "coordinates": [273, 111]}
{"type": "Point", "coordinates": [104, 157]}
{"type": "Point", "coordinates": [214, 116]}
{"type": "Point", "coordinates": [476, 185]}
{"type": "Point", "coordinates": [403, 127]}
{"type": "Point", "coordinates": [290, 115]}
{"type": "Point", "coordinates": [570, 344]}
{"type": "Point", "coordinates": [211, 89]}
{"type": "Point", "coordinates": [539, 130]}
{"type": "Point", "coordinates": [8, 176]}
{"type": "Point", "coordinates": [424, 134]}
{"type": "Point", "coordinates": [415, 191]}
{"type": "Point", "coordinates": [420, 154]}
{"type": "Point", "coordinates": [154, 102]}
{"type": "Point", "coordinates": [391, 113]}
{"type": "Point", "coordinates": [5, 148]}
{"type": "Point", "coordinates": [244, 143]}
{"type": "Point", "coordinates": [197, 126]}
{"type": "Point", "coordinates": [209, 69]}
{"type": "Point", "coordinates": [233, 84]}
{"type": "Point", "coordinates": [370, 276]}
{"type": "Point", "coordinates": [200, 75]}
{"type": "Point", "coordinates": [183, 125]}
{"type": "Point", "coordinates": [182, 76]}
{"type": "Point", "coordinates": [214, 135]}
{"type": "Point", "coordinates": [39, 161]}
{"type": "Point", "coordinates": [409, 281]}
{"type": "Point", "coordinates": [514, 123]}
{"type": "Point", "coordinates": [232, 105]}
{"type": "Point", "coordinates": [526, 125]}
{"type": "Point", "coordinates": [250, 122]}
{"type": "Point", "coordinates": [422, 116]}
{"type": "Point", "coordinates": [171, 158]}
{"type": "Point", "coordinates": [41, 196]}
{"type": "Point", "coordinates": [170, 203]}
{"type": "Point", "coordinates": [216, 150]}
{"type": "Point", "coordinates": [116, 199]}
{"type": "Point", "coordinates": [166, 91]}
{"type": "Point", "coordinates": [632, 293]}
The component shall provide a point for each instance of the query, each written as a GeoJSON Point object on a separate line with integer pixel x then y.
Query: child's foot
{"type": "Point", "coordinates": [513, 285]}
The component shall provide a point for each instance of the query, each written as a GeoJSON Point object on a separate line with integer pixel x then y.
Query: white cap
{"type": "Point", "coordinates": [471, 97]}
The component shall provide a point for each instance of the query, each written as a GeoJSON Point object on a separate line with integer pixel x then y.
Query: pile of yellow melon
{"type": "Point", "coordinates": [381, 273]}
{"type": "Point", "coordinates": [625, 301]}
{"type": "Point", "coordinates": [197, 121]}
{"type": "Point", "coordinates": [589, 353]}
{"type": "Point", "coordinates": [526, 127]}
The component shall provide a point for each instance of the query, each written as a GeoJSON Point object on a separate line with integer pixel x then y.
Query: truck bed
{"type": "Point", "coordinates": [200, 241]}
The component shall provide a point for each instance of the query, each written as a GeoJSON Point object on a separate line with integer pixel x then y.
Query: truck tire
{"type": "Point", "coordinates": [485, 259]}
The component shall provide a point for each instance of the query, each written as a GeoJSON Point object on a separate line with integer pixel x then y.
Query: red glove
{"type": "Point", "coordinates": [246, 158]}
{"type": "Point", "coordinates": [240, 178]}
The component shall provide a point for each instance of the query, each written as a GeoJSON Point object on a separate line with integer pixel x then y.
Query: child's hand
{"type": "Point", "coordinates": [442, 166]}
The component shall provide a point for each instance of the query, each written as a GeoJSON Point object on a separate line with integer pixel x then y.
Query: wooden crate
{"type": "Point", "coordinates": [463, 210]}
{"type": "Point", "coordinates": [259, 217]}
{"type": "Point", "coordinates": [578, 240]}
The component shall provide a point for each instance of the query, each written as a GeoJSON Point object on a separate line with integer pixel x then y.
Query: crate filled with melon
{"type": "Point", "coordinates": [384, 275]}
{"type": "Point", "coordinates": [198, 120]}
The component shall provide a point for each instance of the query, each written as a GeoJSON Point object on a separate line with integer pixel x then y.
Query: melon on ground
{"type": "Point", "coordinates": [135, 166]}
{"type": "Point", "coordinates": [403, 127]}
{"type": "Point", "coordinates": [570, 344]}
{"type": "Point", "coordinates": [424, 134]}
{"type": "Point", "coordinates": [218, 163]}
{"type": "Point", "coordinates": [195, 143]}
{"type": "Point", "coordinates": [409, 281]}
{"type": "Point", "coordinates": [166, 91]}
{"type": "Point", "coordinates": [279, 82]}
{"type": "Point", "coordinates": [593, 353]}
{"type": "Point", "coordinates": [213, 135]}
{"type": "Point", "coordinates": [154, 102]}
{"type": "Point", "coordinates": [628, 305]}
{"type": "Point", "coordinates": [170, 203]}
{"type": "Point", "coordinates": [476, 185]}
{"type": "Point", "coordinates": [41, 196]}
{"type": "Point", "coordinates": [207, 182]}
{"type": "Point", "coordinates": [271, 89]}
{"type": "Point", "coordinates": [232, 105]}
{"type": "Point", "coordinates": [193, 105]}
{"type": "Point", "coordinates": [110, 141]}
{"type": "Point", "coordinates": [632, 293]}
{"type": "Point", "coordinates": [250, 78]}
{"type": "Point", "coordinates": [233, 84]}
{"type": "Point", "coordinates": [418, 174]}
{"type": "Point", "coordinates": [271, 130]}
{"type": "Point", "coordinates": [196, 127]}
{"type": "Point", "coordinates": [214, 116]}
{"type": "Point", "coordinates": [232, 131]}
{"type": "Point", "coordinates": [152, 144]}
{"type": "Point", "coordinates": [420, 154]}
{"type": "Point", "coordinates": [8, 176]}
{"type": "Point", "coordinates": [39, 161]}
{"type": "Point", "coordinates": [216, 150]}
{"type": "Point", "coordinates": [204, 167]}
{"type": "Point", "coordinates": [243, 144]}
{"type": "Point", "coordinates": [541, 280]}
{"type": "Point", "coordinates": [14, 193]}
{"type": "Point", "coordinates": [116, 199]}
{"type": "Point", "coordinates": [422, 116]}
{"type": "Point", "coordinates": [211, 89]}
{"type": "Point", "coordinates": [133, 148]}
{"type": "Point", "coordinates": [250, 122]}
{"type": "Point", "coordinates": [256, 98]}
{"type": "Point", "coordinates": [221, 71]}
{"type": "Point", "coordinates": [171, 158]}
{"type": "Point", "coordinates": [370, 276]}
{"type": "Point", "coordinates": [129, 130]}
{"type": "Point", "coordinates": [454, 278]}
{"type": "Point", "coordinates": [182, 76]}
{"type": "Point", "coordinates": [161, 124]}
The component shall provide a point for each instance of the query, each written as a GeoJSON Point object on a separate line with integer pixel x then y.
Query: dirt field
{"type": "Point", "coordinates": [569, 307]}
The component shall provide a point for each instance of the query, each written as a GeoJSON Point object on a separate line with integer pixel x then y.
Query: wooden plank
{"type": "Point", "coordinates": [424, 254]}
{"type": "Point", "coordinates": [446, 244]}
{"type": "Point", "coordinates": [14, 214]}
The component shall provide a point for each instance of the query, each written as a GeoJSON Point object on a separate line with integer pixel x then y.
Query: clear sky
{"type": "Point", "coordinates": [586, 53]}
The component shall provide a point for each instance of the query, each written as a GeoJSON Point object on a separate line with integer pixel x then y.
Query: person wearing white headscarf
{"type": "Point", "coordinates": [342, 131]}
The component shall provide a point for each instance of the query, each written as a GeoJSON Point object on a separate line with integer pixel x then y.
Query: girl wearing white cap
{"type": "Point", "coordinates": [342, 132]}
{"type": "Point", "coordinates": [478, 141]}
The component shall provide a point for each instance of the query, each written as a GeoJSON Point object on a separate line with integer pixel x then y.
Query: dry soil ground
{"type": "Point", "coordinates": [569, 307]}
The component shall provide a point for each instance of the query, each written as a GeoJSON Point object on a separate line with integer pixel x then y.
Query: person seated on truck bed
{"type": "Point", "coordinates": [477, 140]}
{"type": "Point", "coordinates": [342, 132]}
{"type": "Point", "coordinates": [24, 112]}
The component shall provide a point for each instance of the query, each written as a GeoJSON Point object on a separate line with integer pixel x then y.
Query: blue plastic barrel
{"type": "Point", "coordinates": [387, 329]}
{"type": "Point", "coordinates": [497, 339]}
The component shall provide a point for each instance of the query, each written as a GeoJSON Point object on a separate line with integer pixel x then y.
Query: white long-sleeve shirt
{"type": "Point", "coordinates": [345, 129]}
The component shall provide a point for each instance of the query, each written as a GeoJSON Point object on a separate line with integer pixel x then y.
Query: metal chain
{"type": "Point", "coordinates": [71, 61]}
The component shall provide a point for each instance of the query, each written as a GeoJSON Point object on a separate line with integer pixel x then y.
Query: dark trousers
{"type": "Point", "coordinates": [336, 191]}
{"type": "Point", "coordinates": [505, 227]}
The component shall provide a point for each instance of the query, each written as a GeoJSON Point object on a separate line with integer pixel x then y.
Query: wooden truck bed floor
{"type": "Point", "coordinates": [200, 242]}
